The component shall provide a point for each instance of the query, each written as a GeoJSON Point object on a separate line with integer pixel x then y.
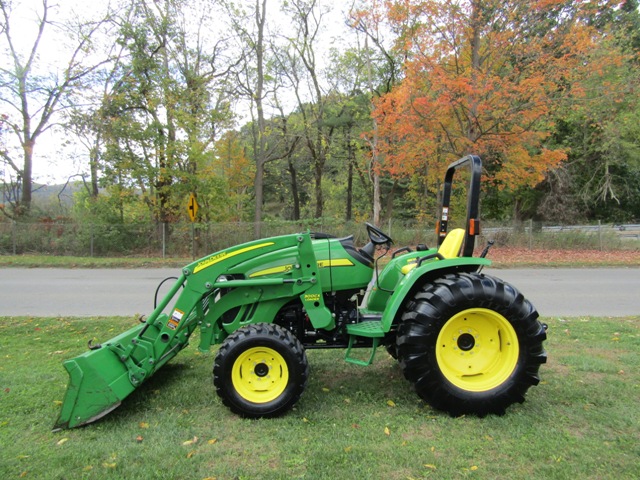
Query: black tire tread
{"type": "Point", "coordinates": [430, 308]}
{"type": "Point", "coordinates": [273, 336]}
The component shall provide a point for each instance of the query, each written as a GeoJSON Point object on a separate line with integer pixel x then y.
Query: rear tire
{"type": "Point", "coordinates": [260, 370]}
{"type": "Point", "coordinates": [471, 344]}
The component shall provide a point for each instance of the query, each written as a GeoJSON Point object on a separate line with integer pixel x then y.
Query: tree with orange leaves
{"type": "Point", "coordinates": [484, 77]}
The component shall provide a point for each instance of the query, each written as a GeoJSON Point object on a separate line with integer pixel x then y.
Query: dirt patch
{"type": "Point", "coordinates": [514, 257]}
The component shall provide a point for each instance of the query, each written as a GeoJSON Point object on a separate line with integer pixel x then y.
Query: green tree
{"type": "Point", "coordinates": [486, 77]}
{"type": "Point", "coordinates": [168, 106]}
{"type": "Point", "coordinates": [34, 90]}
{"type": "Point", "coordinates": [601, 130]}
{"type": "Point", "coordinates": [300, 63]}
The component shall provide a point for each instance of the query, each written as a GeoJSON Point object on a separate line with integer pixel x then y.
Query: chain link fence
{"type": "Point", "coordinates": [195, 240]}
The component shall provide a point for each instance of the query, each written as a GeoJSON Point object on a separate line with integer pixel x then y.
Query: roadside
{"type": "Point", "coordinates": [502, 257]}
{"type": "Point", "coordinates": [508, 257]}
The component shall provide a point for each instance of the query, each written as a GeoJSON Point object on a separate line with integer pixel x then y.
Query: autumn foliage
{"type": "Point", "coordinates": [485, 77]}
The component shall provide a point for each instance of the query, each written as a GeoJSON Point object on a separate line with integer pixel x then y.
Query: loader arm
{"type": "Point", "coordinates": [105, 375]}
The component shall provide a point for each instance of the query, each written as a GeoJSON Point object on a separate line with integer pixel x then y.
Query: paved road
{"type": "Point", "coordinates": [86, 292]}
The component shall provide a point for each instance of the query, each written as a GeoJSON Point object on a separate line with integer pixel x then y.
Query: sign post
{"type": "Point", "coordinates": [192, 208]}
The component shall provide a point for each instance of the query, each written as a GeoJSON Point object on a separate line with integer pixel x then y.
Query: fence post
{"type": "Point", "coordinates": [164, 240]}
{"type": "Point", "coordinates": [600, 234]}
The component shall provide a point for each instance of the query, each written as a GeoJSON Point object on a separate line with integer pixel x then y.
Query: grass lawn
{"type": "Point", "coordinates": [582, 421]}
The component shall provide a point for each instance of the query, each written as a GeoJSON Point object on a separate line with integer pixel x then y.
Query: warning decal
{"type": "Point", "coordinates": [174, 321]}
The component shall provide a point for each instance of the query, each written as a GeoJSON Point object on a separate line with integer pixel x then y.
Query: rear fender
{"type": "Point", "coordinates": [426, 273]}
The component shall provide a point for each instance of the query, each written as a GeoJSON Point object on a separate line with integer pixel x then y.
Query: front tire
{"type": "Point", "coordinates": [471, 344]}
{"type": "Point", "coordinates": [260, 370]}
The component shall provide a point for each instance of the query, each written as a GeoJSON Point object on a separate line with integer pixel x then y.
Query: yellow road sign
{"type": "Point", "coordinates": [192, 207]}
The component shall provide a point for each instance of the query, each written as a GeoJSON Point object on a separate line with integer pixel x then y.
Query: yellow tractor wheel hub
{"type": "Point", "coordinates": [477, 350]}
{"type": "Point", "coordinates": [260, 375]}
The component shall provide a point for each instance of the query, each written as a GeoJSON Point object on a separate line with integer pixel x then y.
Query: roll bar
{"type": "Point", "coordinates": [472, 225]}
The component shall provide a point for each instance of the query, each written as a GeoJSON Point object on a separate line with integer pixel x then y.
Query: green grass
{"type": "Point", "coordinates": [52, 261]}
{"type": "Point", "coordinates": [352, 422]}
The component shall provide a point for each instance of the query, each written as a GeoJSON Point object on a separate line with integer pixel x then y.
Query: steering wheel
{"type": "Point", "coordinates": [377, 236]}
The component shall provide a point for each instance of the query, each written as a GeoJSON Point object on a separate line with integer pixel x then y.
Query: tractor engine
{"type": "Point", "coordinates": [344, 307]}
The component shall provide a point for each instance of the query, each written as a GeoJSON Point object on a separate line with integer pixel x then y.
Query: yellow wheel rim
{"type": "Point", "coordinates": [260, 375]}
{"type": "Point", "coordinates": [477, 350]}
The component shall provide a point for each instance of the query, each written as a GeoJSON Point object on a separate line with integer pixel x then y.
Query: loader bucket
{"type": "Point", "coordinates": [105, 375]}
{"type": "Point", "coordinates": [98, 382]}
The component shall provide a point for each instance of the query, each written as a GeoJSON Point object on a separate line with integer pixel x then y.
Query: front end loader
{"type": "Point", "coordinates": [469, 342]}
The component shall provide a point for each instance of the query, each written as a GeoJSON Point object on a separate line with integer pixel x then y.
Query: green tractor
{"type": "Point", "coordinates": [470, 343]}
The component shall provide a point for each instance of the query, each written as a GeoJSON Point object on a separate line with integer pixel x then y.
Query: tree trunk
{"type": "Point", "coordinates": [388, 209]}
{"type": "Point", "coordinates": [319, 167]}
{"type": "Point", "coordinates": [93, 169]}
{"type": "Point", "coordinates": [260, 16]}
{"type": "Point", "coordinates": [25, 200]}
{"type": "Point", "coordinates": [350, 160]}
{"type": "Point", "coordinates": [294, 190]}
{"type": "Point", "coordinates": [374, 145]}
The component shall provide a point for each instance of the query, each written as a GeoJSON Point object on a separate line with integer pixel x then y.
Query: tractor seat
{"type": "Point", "coordinates": [450, 248]}
{"type": "Point", "coordinates": [452, 243]}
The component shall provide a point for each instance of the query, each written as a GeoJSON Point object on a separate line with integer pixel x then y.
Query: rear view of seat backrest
{"type": "Point", "coordinates": [452, 243]}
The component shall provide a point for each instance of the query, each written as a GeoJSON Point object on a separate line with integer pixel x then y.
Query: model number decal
{"type": "Point", "coordinates": [338, 262]}
{"type": "Point", "coordinates": [174, 321]}
{"type": "Point", "coordinates": [223, 255]}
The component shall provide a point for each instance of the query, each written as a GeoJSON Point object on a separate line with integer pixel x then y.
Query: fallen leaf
{"type": "Point", "coordinates": [139, 439]}
{"type": "Point", "coordinates": [355, 425]}
{"type": "Point", "coordinates": [190, 442]}
{"type": "Point", "coordinates": [62, 441]}
{"type": "Point", "coordinates": [305, 419]}
{"type": "Point", "coordinates": [474, 468]}
{"type": "Point", "coordinates": [430, 465]}
{"type": "Point", "coordinates": [191, 453]}
{"type": "Point", "coordinates": [212, 441]}
{"type": "Point", "coordinates": [387, 432]}
{"type": "Point", "coordinates": [57, 402]}
{"type": "Point", "coordinates": [24, 474]}
{"type": "Point", "coordinates": [325, 389]}
{"type": "Point", "coordinates": [109, 465]}
{"type": "Point", "coordinates": [143, 425]}
{"type": "Point", "coordinates": [87, 468]}
{"type": "Point", "coordinates": [348, 449]}
{"type": "Point", "coordinates": [391, 403]}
